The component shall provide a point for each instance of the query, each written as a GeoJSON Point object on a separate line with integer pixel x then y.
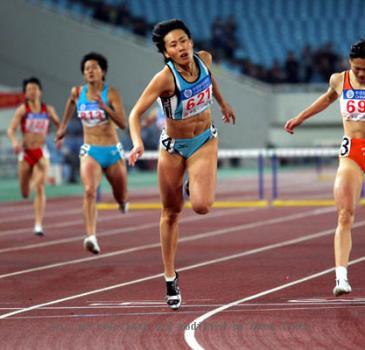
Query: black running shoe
{"type": "Point", "coordinates": [173, 295]}
{"type": "Point", "coordinates": [186, 190]}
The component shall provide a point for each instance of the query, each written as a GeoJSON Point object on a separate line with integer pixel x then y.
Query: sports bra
{"type": "Point", "coordinates": [37, 123]}
{"type": "Point", "coordinates": [90, 112]}
{"type": "Point", "coordinates": [190, 98]}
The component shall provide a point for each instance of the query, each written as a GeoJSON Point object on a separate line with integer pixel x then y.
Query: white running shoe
{"type": "Point", "coordinates": [91, 244]}
{"type": "Point", "coordinates": [39, 233]}
{"type": "Point", "coordinates": [124, 207]}
{"type": "Point", "coordinates": [342, 287]}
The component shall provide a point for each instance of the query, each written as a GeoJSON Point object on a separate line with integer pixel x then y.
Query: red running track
{"type": "Point", "coordinates": [253, 269]}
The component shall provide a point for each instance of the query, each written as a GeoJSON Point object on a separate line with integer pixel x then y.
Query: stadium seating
{"type": "Point", "coordinates": [266, 31]}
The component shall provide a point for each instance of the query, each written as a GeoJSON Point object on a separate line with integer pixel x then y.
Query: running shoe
{"type": "Point", "coordinates": [91, 244]}
{"type": "Point", "coordinates": [342, 287]}
{"type": "Point", "coordinates": [124, 207]}
{"type": "Point", "coordinates": [173, 295]}
{"type": "Point", "coordinates": [39, 233]}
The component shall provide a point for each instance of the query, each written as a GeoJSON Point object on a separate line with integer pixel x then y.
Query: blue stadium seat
{"type": "Point", "coordinates": [266, 29]}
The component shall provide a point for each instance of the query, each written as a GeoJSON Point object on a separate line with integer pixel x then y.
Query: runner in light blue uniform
{"type": "Point", "coordinates": [100, 110]}
{"type": "Point", "coordinates": [184, 88]}
{"type": "Point", "coordinates": [190, 99]}
{"type": "Point", "coordinates": [90, 114]}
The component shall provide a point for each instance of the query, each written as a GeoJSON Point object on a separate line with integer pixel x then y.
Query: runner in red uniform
{"type": "Point", "coordinates": [33, 117]}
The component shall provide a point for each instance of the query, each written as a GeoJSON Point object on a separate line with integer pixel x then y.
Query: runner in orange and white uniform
{"type": "Point", "coordinates": [350, 87]}
{"type": "Point", "coordinates": [352, 103]}
{"type": "Point", "coordinates": [33, 118]}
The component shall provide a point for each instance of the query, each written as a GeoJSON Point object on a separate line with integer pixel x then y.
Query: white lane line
{"type": "Point", "coordinates": [189, 334]}
{"type": "Point", "coordinates": [66, 223]}
{"type": "Point", "coordinates": [27, 205]}
{"type": "Point", "coordinates": [189, 267]}
{"type": "Point", "coordinates": [126, 229]}
{"type": "Point", "coordinates": [198, 306]}
{"type": "Point", "coordinates": [165, 312]}
{"type": "Point", "coordinates": [184, 239]}
{"type": "Point", "coordinates": [54, 213]}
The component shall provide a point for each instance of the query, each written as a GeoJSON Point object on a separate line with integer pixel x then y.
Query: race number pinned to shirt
{"type": "Point", "coordinates": [353, 105]}
{"type": "Point", "coordinates": [197, 98]}
{"type": "Point", "coordinates": [91, 114]}
{"type": "Point", "coordinates": [37, 123]}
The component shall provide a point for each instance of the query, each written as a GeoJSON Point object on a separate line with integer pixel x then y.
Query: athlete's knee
{"type": "Point", "coordinates": [346, 217]}
{"type": "Point", "coordinates": [39, 188]}
{"type": "Point", "coordinates": [90, 192]}
{"type": "Point", "coordinates": [170, 215]}
{"type": "Point", "coordinates": [202, 207]}
{"type": "Point", "coordinates": [25, 190]}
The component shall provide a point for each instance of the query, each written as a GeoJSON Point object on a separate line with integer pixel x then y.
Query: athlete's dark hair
{"type": "Point", "coordinates": [31, 80]}
{"type": "Point", "coordinates": [161, 29]}
{"type": "Point", "coordinates": [358, 49]}
{"type": "Point", "coordinates": [102, 61]}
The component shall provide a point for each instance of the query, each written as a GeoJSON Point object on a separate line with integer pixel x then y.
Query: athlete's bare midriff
{"type": "Point", "coordinates": [190, 127]}
{"type": "Point", "coordinates": [103, 135]}
{"type": "Point", "coordinates": [354, 129]}
{"type": "Point", "coordinates": [33, 140]}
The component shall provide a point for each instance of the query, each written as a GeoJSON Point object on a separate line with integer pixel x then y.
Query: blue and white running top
{"type": "Point", "coordinates": [90, 112]}
{"type": "Point", "coordinates": [190, 98]}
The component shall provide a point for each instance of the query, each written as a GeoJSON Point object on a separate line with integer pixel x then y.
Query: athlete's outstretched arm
{"type": "Point", "coordinates": [67, 115]}
{"type": "Point", "coordinates": [54, 116]}
{"type": "Point", "coordinates": [154, 89]}
{"type": "Point", "coordinates": [227, 111]}
{"type": "Point", "coordinates": [14, 124]}
{"type": "Point", "coordinates": [56, 121]}
{"type": "Point", "coordinates": [317, 106]}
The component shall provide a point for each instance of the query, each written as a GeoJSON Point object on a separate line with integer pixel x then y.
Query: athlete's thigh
{"type": "Point", "coordinates": [202, 168]}
{"type": "Point", "coordinates": [116, 174]}
{"type": "Point", "coordinates": [40, 171]}
{"type": "Point", "coordinates": [348, 184]}
{"type": "Point", "coordinates": [25, 174]}
{"type": "Point", "coordinates": [171, 168]}
{"type": "Point", "coordinates": [90, 172]}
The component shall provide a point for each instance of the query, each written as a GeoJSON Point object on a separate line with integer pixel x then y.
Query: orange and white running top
{"type": "Point", "coordinates": [352, 101]}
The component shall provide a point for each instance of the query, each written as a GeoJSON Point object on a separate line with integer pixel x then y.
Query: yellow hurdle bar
{"type": "Point", "coordinates": [234, 204]}
{"type": "Point", "coordinates": [157, 205]}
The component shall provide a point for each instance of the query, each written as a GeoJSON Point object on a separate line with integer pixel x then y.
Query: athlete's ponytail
{"type": "Point", "coordinates": [358, 49]}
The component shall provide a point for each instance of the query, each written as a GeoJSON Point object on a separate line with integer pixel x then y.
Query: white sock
{"type": "Point", "coordinates": [38, 228]}
{"type": "Point", "coordinates": [341, 273]}
{"type": "Point", "coordinates": [170, 279]}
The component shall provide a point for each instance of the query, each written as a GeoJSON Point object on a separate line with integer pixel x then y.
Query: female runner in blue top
{"type": "Point", "coordinates": [184, 88]}
{"type": "Point", "coordinates": [99, 107]}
